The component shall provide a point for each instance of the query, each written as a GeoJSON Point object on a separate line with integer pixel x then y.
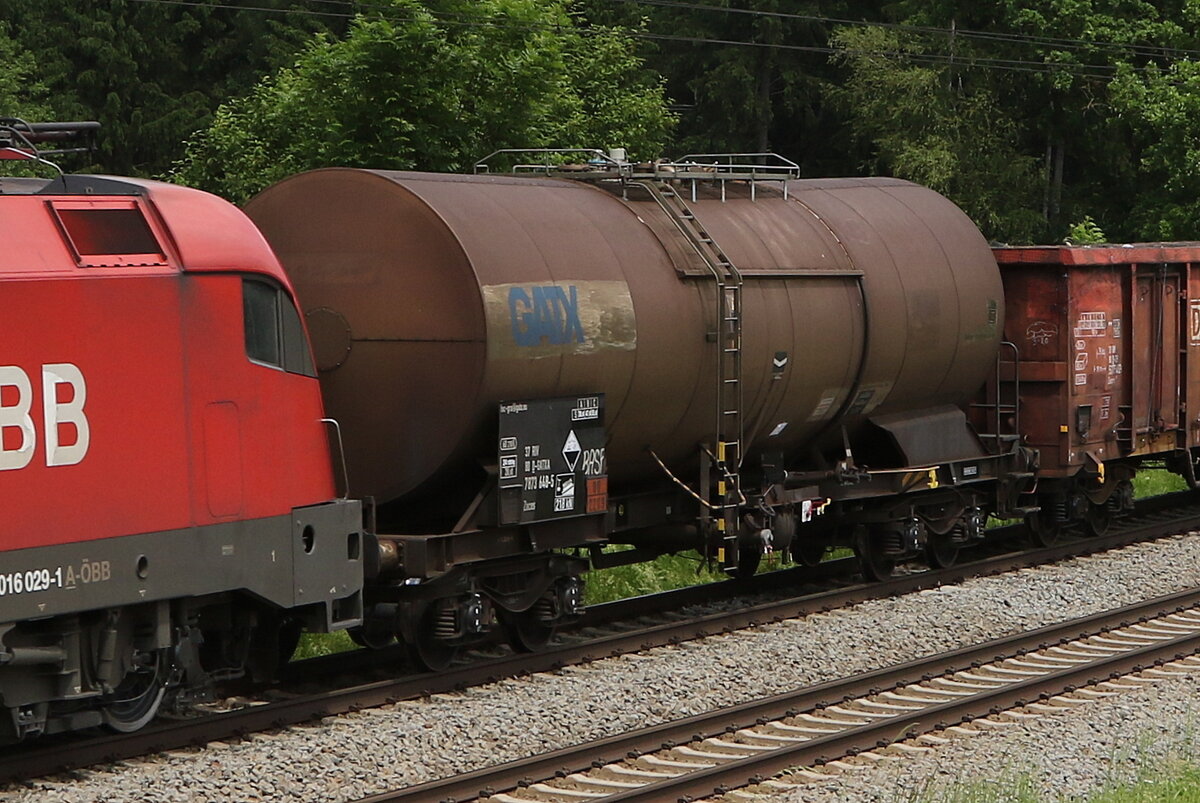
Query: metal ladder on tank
{"type": "Point", "coordinates": [720, 475]}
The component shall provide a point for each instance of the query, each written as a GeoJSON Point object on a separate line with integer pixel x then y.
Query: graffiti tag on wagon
{"type": "Point", "coordinates": [1040, 333]}
{"type": "Point", "coordinates": [545, 314]}
{"type": "Point", "coordinates": [527, 320]}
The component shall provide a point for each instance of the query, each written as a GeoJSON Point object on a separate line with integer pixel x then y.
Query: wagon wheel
{"type": "Point", "coordinates": [137, 699]}
{"type": "Point", "coordinates": [424, 648]}
{"type": "Point", "coordinates": [375, 633]}
{"type": "Point", "coordinates": [941, 551]}
{"type": "Point", "coordinates": [748, 558]}
{"type": "Point", "coordinates": [525, 631]}
{"type": "Point", "coordinates": [808, 551]}
{"type": "Point", "coordinates": [868, 545]}
{"type": "Point", "coordinates": [1042, 529]}
{"type": "Point", "coordinates": [1097, 520]}
{"type": "Point", "coordinates": [288, 638]}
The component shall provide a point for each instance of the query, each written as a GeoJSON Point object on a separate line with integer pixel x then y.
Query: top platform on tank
{"type": "Point", "coordinates": [598, 166]}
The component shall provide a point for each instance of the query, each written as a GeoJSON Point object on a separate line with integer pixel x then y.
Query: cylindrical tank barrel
{"type": "Point", "coordinates": [432, 298]}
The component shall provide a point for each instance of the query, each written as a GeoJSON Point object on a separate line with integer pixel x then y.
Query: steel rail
{"type": "Point", "coordinates": [719, 779]}
{"type": "Point", "coordinates": [1155, 519]}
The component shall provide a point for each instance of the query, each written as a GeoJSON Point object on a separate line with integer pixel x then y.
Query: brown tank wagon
{"type": "Point", "coordinates": [432, 298]}
{"type": "Point", "coordinates": [759, 350]}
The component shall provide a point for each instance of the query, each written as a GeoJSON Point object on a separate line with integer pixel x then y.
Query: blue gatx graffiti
{"type": "Point", "coordinates": [545, 314]}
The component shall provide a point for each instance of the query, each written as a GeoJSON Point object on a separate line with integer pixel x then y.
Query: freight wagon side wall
{"type": "Point", "coordinates": [1106, 336]}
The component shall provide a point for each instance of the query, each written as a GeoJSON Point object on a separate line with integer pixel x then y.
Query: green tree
{"type": "Point", "coordinates": [152, 73]}
{"type": "Point", "coordinates": [434, 85]}
{"type": "Point", "coordinates": [1052, 65]}
{"type": "Point", "coordinates": [750, 74]}
{"type": "Point", "coordinates": [1163, 107]}
{"type": "Point", "coordinates": [927, 124]}
{"type": "Point", "coordinates": [23, 96]}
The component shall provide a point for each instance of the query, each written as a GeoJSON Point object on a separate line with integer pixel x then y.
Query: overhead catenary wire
{"type": "Point", "coordinates": [967, 33]}
{"type": "Point", "coordinates": [1106, 71]}
{"type": "Point", "coordinates": [1060, 42]}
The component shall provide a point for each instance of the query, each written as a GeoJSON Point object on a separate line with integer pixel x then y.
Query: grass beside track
{"type": "Point", "coordinates": [1174, 778]}
{"type": "Point", "coordinates": [686, 569]}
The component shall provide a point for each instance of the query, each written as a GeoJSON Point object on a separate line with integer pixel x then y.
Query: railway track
{"type": "Point", "coordinates": [992, 685]}
{"type": "Point", "coordinates": [604, 632]}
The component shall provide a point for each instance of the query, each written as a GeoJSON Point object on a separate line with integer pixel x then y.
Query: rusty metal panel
{"type": "Point", "coordinates": [1154, 373]}
{"type": "Point", "coordinates": [1100, 331]}
{"type": "Point", "coordinates": [1191, 354]}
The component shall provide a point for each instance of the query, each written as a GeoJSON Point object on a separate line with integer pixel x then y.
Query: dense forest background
{"type": "Point", "coordinates": [1041, 119]}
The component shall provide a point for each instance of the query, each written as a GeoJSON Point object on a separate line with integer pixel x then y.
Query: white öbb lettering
{"type": "Point", "coordinates": [15, 417]}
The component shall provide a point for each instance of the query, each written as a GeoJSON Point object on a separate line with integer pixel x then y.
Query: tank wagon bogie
{"type": "Point", "coordinates": [171, 506]}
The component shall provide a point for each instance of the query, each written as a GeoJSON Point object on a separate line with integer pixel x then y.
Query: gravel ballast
{"type": "Point", "coordinates": [1063, 756]}
{"type": "Point", "coordinates": [348, 757]}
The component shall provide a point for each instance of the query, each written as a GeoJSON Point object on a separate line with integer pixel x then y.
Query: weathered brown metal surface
{"type": "Point", "coordinates": [1104, 334]}
{"type": "Point", "coordinates": [442, 295]}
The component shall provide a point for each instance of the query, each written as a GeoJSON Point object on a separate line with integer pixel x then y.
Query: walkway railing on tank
{"type": "Point", "coordinates": [694, 168]}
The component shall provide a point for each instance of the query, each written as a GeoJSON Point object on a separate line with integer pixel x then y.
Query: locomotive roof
{"type": "Point", "coordinates": [68, 184]}
{"type": "Point", "coordinates": [87, 223]}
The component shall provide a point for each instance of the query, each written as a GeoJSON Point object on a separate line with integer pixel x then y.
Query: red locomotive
{"type": "Point", "coordinates": [710, 354]}
{"type": "Point", "coordinates": [172, 511]}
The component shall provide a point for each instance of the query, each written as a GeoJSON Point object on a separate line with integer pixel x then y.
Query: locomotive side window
{"type": "Point", "coordinates": [274, 335]}
{"type": "Point", "coordinates": [297, 358]}
{"type": "Point", "coordinates": [260, 307]}
{"type": "Point", "coordinates": [108, 231]}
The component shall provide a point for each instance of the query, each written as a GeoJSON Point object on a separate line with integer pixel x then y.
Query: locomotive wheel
{"type": "Point", "coordinates": [940, 551]}
{"type": "Point", "coordinates": [808, 551]}
{"type": "Point", "coordinates": [1097, 520]}
{"type": "Point", "coordinates": [525, 632]}
{"type": "Point", "coordinates": [425, 649]}
{"type": "Point", "coordinates": [868, 545]}
{"type": "Point", "coordinates": [1042, 529]}
{"type": "Point", "coordinates": [136, 701]}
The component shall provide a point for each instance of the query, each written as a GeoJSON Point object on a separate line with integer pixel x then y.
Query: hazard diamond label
{"type": "Point", "coordinates": [571, 450]}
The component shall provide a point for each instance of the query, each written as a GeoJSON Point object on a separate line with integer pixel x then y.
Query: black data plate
{"type": "Point", "coordinates": [551, 458]}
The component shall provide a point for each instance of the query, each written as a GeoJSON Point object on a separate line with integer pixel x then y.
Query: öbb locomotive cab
{"type": "Point", "coordinates": [171, 513]}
